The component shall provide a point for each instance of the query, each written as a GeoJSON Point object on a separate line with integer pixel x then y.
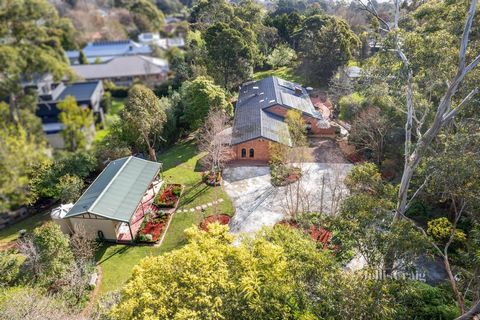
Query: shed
{"type": "Point", "coordinates": [113, 206]}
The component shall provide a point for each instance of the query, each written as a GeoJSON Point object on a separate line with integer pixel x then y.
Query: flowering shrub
{"type": "Point", "coordinates": [152, 227]}
{"type": "Point", "coordinates": [168, 197]}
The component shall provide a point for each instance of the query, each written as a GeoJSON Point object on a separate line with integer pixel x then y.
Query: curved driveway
{"type": "Point", "coordinates": [257, 203]}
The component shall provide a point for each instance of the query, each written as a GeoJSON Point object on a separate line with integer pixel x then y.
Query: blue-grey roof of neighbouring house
{"type": "Point", "coordinates": [117, 191]}
{"type": "Point", "coordinates": [129, 66]}
{"type": "Point", "coordinates": [252, 118]}
{"type": "Point", "coordinates": [106, 50]}
{"type": "Point", "coordinates": [82, 91]}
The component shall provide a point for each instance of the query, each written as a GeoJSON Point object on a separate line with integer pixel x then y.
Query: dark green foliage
{"type": "Point", "coordinates": [80, 163]}
{"type": "Point", "coordinates": [82, 58]}
{"type": "Point", "coordinates": [169, 6]}
{"type": "Point", "coordinates": [106, 102]}
{"type": "Point", "coordinates": [324, 44]}
{"type": "Point", "coordinates": [418, 300]}
{"type": "Point", "coordinates": [9, 267]}
{"type": "Point", "coordinates": [199, 97]}
{"type": "Point", "coordinates": [231, 64]}
{"type": "Point", "coordinates": [116, 91]}
{"type": "Point", "coordinates": [55, 256]}
{"type": "Point", "coordinates": [147, 17]}
{"type": "Point", "coordinates": [286, 25]}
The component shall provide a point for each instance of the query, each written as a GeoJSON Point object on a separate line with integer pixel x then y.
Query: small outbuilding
{"type": "Point", "coordinates": [114, 205]}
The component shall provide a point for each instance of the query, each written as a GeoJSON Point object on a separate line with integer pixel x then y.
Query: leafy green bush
{"type": "Point", "coordinates": [69, 188]}
{"type": "Point", "coordinates": [282, 56]}
{"type": "Point", "coordinates": [116, 91]}
{"type": "Point", "coordinates": [350, 105]}
{"type": "Point", "coordinates": [80, 164]}
{"type": "Point", "coordinates": [9, 268]}
{"type": "Point", "coordinates": [106, 102]}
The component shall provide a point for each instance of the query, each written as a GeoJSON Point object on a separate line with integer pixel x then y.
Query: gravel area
{"type": "Point", "coordinates": [257, 203]}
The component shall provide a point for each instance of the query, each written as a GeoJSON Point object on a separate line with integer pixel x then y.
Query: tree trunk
{"type": "Point", "coordinates": [453, 284]}
{"type": "Point", "coordinates": [475, 310]}
{"type": "Point", "coordinates": [151, 151]}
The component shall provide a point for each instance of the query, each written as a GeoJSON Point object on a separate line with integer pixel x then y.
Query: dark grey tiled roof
{"type": "Point", "coordinates": [253, 121]}
{"type": "Point", "coordinates": [82, 91]}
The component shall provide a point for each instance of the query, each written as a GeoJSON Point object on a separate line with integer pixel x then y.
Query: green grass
{"type": "Point", "coordinates": [117, 105]}
{"type": "Point", "coordinates": [287, 73]}
{"type": "Point", "coordinates": [10, 233]}
{"type": "Point", "coordinates": [180, 165]}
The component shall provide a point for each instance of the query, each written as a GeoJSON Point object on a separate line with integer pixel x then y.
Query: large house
{"type": "Point", "coordinates": [102, 51]}
{"type": "Point", "coordinates": [114, 205]}
{"type": "Point", "coordinates": [260, 117]}
{"type": "Point", "coordinates": [123, 71]}
{"type": "Point", "coordinates": [87, 94]}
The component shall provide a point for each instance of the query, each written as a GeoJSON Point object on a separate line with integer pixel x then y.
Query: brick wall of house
{"type": "Point", "coordinates": [260, 150]}
{"type": "Point", "coordinates": [282, 111]}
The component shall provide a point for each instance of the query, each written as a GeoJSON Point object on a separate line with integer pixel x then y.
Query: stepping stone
{"type": "Point", "coordinates": [209, 204]}
{"type": "Point", "coordinates": [204, 206]}
{"type": "Point", "coordinates": [198, 208]}
{"type": "Point", "coordinates": [220, 200]}
{"type": "Point", "coordinates": [192, 210]}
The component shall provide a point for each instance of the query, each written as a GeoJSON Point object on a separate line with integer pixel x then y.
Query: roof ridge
{"type": "Point", "coordinates": [109, 183]}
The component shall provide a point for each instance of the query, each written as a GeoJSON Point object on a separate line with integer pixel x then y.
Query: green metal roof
{"type": "Point", "coordinates": [117, 191]}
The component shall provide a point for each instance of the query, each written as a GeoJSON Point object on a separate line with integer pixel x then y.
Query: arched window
{"type": "Point", "coordinates": [244, 153]}
{"type": "Point", "coordinates": [252, 153]}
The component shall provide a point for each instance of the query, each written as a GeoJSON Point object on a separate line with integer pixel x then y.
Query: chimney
{"type": "Point", "coordinates": [298, 90]}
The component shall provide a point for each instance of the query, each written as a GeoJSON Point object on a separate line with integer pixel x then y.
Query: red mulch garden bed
{"type": "Point", "coordinates": [168, 196]}
{"type": "Point", "coordinates": [152, 227]}
{"type": "Point", "coordinates": [318, 234]}
{"type": "Point", "coordinates": [220, 218]}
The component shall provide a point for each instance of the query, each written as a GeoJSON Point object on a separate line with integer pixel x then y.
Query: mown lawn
{"type": "Point", "coordinates": [10, 233]}
{"type": "Point", "coordinates": [180, 165]}
{"type": "Point", "coordinates": [287, 73]}
{"type": "Point", "coordinates": [117, 106]}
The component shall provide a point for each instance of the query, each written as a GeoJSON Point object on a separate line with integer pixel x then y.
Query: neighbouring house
{"type": "Point", "coordinates": [104, 51]}
{"type": "Point", "coordinates": [88, 95]}
{"type": "Point", "coordinates": [260, 117]}
{"type": "Point", "coordinates": [151, 38]}
{"type": "Point", "coordinates": [114, 205]}
{"type": "Point", "coordinates": [123, 71]}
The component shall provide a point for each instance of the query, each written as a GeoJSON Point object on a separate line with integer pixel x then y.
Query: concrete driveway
{"type": "Point", "coordinates": [258, 203]}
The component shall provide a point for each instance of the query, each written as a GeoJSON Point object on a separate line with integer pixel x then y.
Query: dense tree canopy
{"type": "Point", "coordinates": [143, 118]}
{"type": "Point", "coordinates": [229, 54]}
{"type": "Point", "coordinates": [33, 35]}
{"type": "Point", "coordinates": [324, 44]}
{"type": "Point", "coordinates": [199, 97]}
{"type": "Point", "coordinates": [21, 154]}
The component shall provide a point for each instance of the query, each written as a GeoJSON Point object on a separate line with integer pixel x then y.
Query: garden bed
{"type": "Point", "coordinates": [283, 175]}
{"type": "Point", "coordinates": [152, 226]}
{"type": "Point", "coordinates": [318, 234]}
{"type": "Point", "coordinates": [220, 218]}
{"type": "Point", "coordinates": [211, 178]}
{"type": "Point", "coordinates": [168, 196]}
